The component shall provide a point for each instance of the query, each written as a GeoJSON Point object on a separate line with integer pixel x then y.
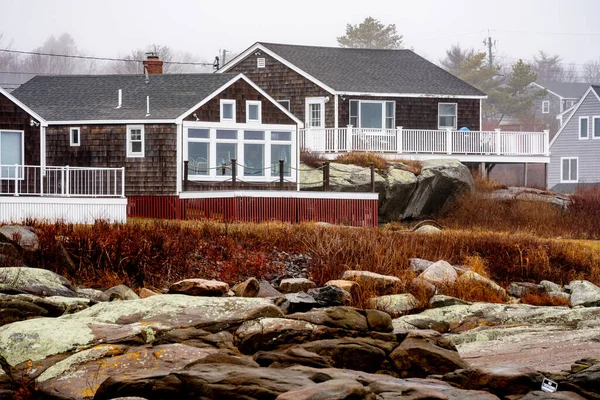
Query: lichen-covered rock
{"type": "Point", "coordinates": [40, 282]}
{"type": "Point", "coordinates": [395, 304]}
{"type": "Point", "coordinates": [121, 292]}
{"type": "Point", "coordinates": [440, 273]}
{"type": "Point", "coordinates": [520, 289]}
{"type": "Point", "coordinates": [372, 280]}
{"type": "Point", "coordinates": [440, 300]}
{"type": "Point", "coordinates": [473, 278]}
{"type": "Point", "coordinates": [295, 285]}
{"type": "Point", "coordinates": [24, 236]}
{"type": "Point", "coordinates": [92, 294]}
{"type": "Point", "coordinates": [335, 317]}
{"type": "Point", "coordinates": [584, 293]}
{"type": "Point", "coordinates": [199, 287]}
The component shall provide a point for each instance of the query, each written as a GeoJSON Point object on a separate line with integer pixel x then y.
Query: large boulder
{"type": "Point", "coordinates": [440, 273]}
{"type": "Point", "coordinates": [502, 381]}
{"type": "Point", "coordinates": [295, 285]}
{"type": "Point", "coordinates": [37, 281]}
{"type": "Point", "coordinates": [400, 186]}
{"type": "Point", "coordinates": [394, 304]}
{"type": "Point", "coordinates": [372, 280]}
{"type": "Point", "coordinates": [584, 293]}
{"type": "Point", "coordinates": [529, 194]}
{"type": "Point", "coordinates": [24, 236]}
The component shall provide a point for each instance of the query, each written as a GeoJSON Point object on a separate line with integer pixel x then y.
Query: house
{"type": "Point", "coordinates": [575, 149]}
{"type": "Point", "coordinates": [389, 101]}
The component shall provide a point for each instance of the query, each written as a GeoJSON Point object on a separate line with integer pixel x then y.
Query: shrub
{"type": "Point", "coordinates": [312, 159]}
{"type": "Point", "coordinates": [363, 160]}
{"type": "Point", "coordinates": [413, 166]}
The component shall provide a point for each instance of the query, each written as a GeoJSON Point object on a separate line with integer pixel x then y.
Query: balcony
{"type": "Point", "coordinates": [467, 146]}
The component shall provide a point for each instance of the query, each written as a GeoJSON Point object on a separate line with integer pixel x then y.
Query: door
{"type": "Point", "coordinates": [314, 117]}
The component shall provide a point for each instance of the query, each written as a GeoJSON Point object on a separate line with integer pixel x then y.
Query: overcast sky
{"type": "Point", "coordinates": [114, 27]}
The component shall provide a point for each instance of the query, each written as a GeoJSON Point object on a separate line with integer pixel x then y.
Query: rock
{"type": "Point", "coordinates": [359, 354]}
{"type": "Point", "coordinates": [143, 293]}
{"type": "Point", "coordinates": [36, 281]}
{"type": "Point", "coordinates": [372, 280]}
{"type": "Point", "coordinates": [249, 288]}
{"type": "Point", "coordinates": [335, 389]}
{"type": "Point", "coordinates": [270, 333]}
{"type": "Point", "coordinates": [8, 250]}
{"type": "Point", "coordinates": [352, 178]}
{"type": "Point", "coordinates": [440, 300]}
{"type": "Point", "coordinates": [418, 264]}
{"type": "Point", "coordinates": [426, 323]}
{"type": "Point", "coordinates": [400, 186]}
{"type": "Point", "coordinates": [63, 256]}
{"type": "Point", "coordinates": [295, 285]}
{"type": "Point", "coordinates": [379, 321]}
{"type": "Point", "coordinates": [24, 236]}
{"type": "Point", "coordinates": [121, 292]}
{"type": "Point", "coordinates": [395, 304]}
{"type": "Point", "coordinates": [520, 289]}
{"type": "Point", "coordinates": [502, 381]}
{"type": "Point", "coordinates": [199, 287]}
{"type": "Point", "coordinates": [427, 229]}
{"type": "Point", "coordinates": [425, 288]}
{"type": "Point", "coordinates": [438, 185]}
{"type": "Point", "coordinates": [335, 317]}
{"type": "Point", "coordinates": [551, 287]}
{"type": "Point", "coordinates": [349, 286]}
{"type": "Point", "coordinates": [291, 356]}
{"type": "Point", "coordinates": [296, 302]}
{"type": "Point", "coordinates": [587, 379]}
{"type": "Point", "coordinates": [328, 296]}
{"type": "Point", "coordinates": [540, 395]}
{"type": "Point", "coordinates": [529, 194]}
{"type": "Point", "coordinates": [584, 293]}
{"type": "Point", "coordinates": [439, 273]}
{"type": "Point", "coordinates": [92, 294]}
{"type": "Point", "coordinates": [267, 290]}
{"type": "Point", "coordinates": [470, 278]}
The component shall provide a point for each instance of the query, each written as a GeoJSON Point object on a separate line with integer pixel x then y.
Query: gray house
{"type": "Point", "coordinates": [560, 96]}
{"type": "Point", "coordinates": [575, 149]}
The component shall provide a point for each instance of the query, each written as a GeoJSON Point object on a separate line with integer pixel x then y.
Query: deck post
{"type": "Point", "coordinates": [498, 141]}
{"type": "Point", "coordinates": [349, 139]}
{"type": "Point", "coordinates": [281, 166]}
{"type": "Point", "coordinates": [16, 179]}
{"type": "Point", "coordinates": [233, 172]}
{"type": "Point", "coordinates": [546, 142]}
{"type": "Point", "coordinates": [399, 139]}
{"type": "Point", "coordinates": [336, 144]}
{"type": "Point", "coordinates": [449, 140]}
{"type": "Point", "coordinates": [66, 181]}
{"type": "Point", "coordinates": [326, 176]}
{"type": "Point", "coordinates": [372, 178]}
{"type": "Point", "coordinates": [185, 175]}
{"type": "Point", "coordinates": [525, 173]}
{"type": "Point", "coordinates": [122, 182]}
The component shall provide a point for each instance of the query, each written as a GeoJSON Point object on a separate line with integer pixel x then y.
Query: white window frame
{"type": "Point", "coordinates": [384, 116]}
{"type": "Point", "coordinates": [561, 170]}
{"type": "Point", "coordinates": [587, 133]}
{"type": "Point", "coordinates": [130, 153]}
{"type": "Point", "coordinates": [22, 133]}
{"type": "Point", "coordinates": [71, 131]}
{"type": "Point", "coordinates": [253, 103]}
{"type": "Point", "coordinates": [308, 102]}
{"type": "Point", "coordinates": [289, 103]}
{"type": "Point", "coordinates": [595, 135]}
{"type": "Point", "coordinates": [223, 102]}
{"type": "Point", "coordinates": [546, 107]}
{"type": "Point", "coordinates": [455, 116]}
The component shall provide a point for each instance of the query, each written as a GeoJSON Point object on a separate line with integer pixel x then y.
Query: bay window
{"type": "Point", "coordinates": [447, 115]}
{"type": "Point", "coordinates": [372, 114]}
{"type": "Point", "coordinates": [11, 152]}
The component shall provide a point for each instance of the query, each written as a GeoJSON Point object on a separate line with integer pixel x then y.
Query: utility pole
{"type": "Point", "coordinates": [223, 58]}
{"type": "Point", "coordinates": [488, 42]}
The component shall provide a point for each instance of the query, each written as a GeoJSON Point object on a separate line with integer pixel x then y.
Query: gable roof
{"type": "Point", "coordinates": [94, 97]}
{"type": "Point", "coordinates": [566, 90]}
{"type": "Point", "coordinates": [22, 106]}
{"type": "Point", "coordinates": [595, 89]}
{"type": "Point", "coordinates": [367, 71]}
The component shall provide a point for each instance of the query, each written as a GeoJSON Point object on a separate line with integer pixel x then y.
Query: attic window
{"type": "Point", "coordinates": [75, 136]}
{"type": "Point", "coordinates": [260, 62]}
{"type": "Point", "coordinates": [545, 107]}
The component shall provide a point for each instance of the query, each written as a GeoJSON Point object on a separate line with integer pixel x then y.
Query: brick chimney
{"type": "Point", "coordinates": [153, 64]}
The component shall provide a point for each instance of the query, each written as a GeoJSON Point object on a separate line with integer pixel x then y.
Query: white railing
{"type": "Point", "coordinates": [33, 180]}
{"type": "Point", "coordinates": [423, 141]}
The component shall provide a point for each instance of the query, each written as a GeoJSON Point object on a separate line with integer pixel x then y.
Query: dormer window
{"type": "Point", "coordinates": [253, 111]}
{"type": "Point", "coordinates": [260, 62]}
{"type": "Point", "coordinates": [227, 110]}
{"type": "Point", "coordinates": [75, 136]}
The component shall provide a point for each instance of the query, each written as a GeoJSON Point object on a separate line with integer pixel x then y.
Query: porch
{"type": "Point", "coordinates": [467, 146]}
{"type": "Point", "coordinates": [61, 193]}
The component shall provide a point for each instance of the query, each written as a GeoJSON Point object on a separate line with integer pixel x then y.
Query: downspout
{"type": "Point", "coordinates": [179, 155]}
{"type": "Point", "coordinates": [43, 127]}
{"type": "Point", "coordinates": [336, 111]}
{"type": "Point", "coordinates": [480, 115]}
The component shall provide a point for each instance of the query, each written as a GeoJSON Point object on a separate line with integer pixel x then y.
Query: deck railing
{"type": "Point", "coordinates": [423, 141]}
{"type": "Point", "coordinates": [34, 180]}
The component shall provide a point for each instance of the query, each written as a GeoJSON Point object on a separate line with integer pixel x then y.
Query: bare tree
{"type": "Point", "coordinates": [591, 72]}
{"type": "Point", "coordinates": [134, 63]}
{"type": "Point", "coordinates": [455, 56]}
{"type": "Point", "coordinates": [548, 68]}
{"type": "Point", "coordinates": [61, 63]}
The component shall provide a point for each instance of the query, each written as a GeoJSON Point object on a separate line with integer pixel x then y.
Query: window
{"type": "Point", "coordinates": [315, 110]}
{"type": "Point", "coordinates": [545, 107]}
{"type": "Point", "coordinates": [596, 127]}
{"type": "Point", "coordinates": [254, 153]}
{"type": "Point", "coordinates": [260, 62]}
{"type": "Point", "coordinates": [584, 127]}
{"type": "Point", "coordinates": [447, 115]}
{"type": "Point", "coordinates": [570, 103]}
{"type": "Point", "coordinates": [198, 151]}
{"type": "Point", "coordinates": [226, 150]}
{"type": "Point", "coordinates": [569, 169]}
{"type": "Point", "coordinates": [135, 140]}
{"type": "Point", "coordinates": [253, 111]}
{"type": "Point", "coordinates": [75, 136]}
{"type": "Point", "coordinates": [372, 114]}
{"type": "Point", "coordinates": [285, 104]}
{"type": "Point", "coordinates": [227, 110]}
{"type": "Point", "coordinates": [11, 153]}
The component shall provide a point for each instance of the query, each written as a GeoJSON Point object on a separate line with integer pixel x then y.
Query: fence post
{"type": "Point", "coordinates": [67, 189]}
{"type": "Point", "coordinates": [546, 142]}
{"type": "Point", "coordinates": [336, 144]}
{"type": "Point", "coordinates": [281, 173]}
{"type": "Point", "coordinates": [16, 179]}
{"type": "Point", "coordinates": [349, 139]}
{"type": "Point", "coordinates": [62, 180]}
{"type": "Point", "coordinates": [372, 178]}
{"type": "Point", "coordinates": [185, 175]}
{"type": "Point", "coordinates": [399, 139]}
{"type": "Point", "coordinates": [233, 172]}
{"type": "Point", "coordinates": [498, 141]}
{"type": "Point", "coordinates": [122, 181]}
{"type": "Point", "coordinates": [449, 140]}
{"type": "Point", "coordinates": [326, 176]}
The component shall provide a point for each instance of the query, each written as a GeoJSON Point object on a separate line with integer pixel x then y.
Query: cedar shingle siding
{"type": "Point", "coordinates": [104, 146]}
{"type": "Point", "coordinates": [13, 117]}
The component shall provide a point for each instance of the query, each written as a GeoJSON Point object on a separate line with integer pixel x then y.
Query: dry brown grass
{"type": "Point", "coordinates": [312, 159]}
{"type": "Point", "coordinates": [363, 160]}
{"type": "Point", "coordinates": [544, 300]}
{"type": "Point", "coordinates": [413, 166]}
{"type": "Point", "coordinates": [486, 185]}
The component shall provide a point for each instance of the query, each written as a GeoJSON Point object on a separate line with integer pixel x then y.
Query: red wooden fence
{"type": "Point", "coordinates": [339, 211]}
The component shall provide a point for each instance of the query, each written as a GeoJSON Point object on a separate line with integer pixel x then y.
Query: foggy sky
{"type": "Point", "coordinates": [115, 27]}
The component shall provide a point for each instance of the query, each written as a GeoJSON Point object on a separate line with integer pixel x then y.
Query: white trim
{"type": "Point", "coordinates": [22, 144]}
{"type": "Point", "coordinates": [547, 90]}
{"type": "Point", "coordinates": [480, 116]}
{"type": "Point", "coordinates": [587, 133]}
{"type": "Point", "coordinates": [595, 135]}
{"type": "Point", "coordinates": [179, 158]}
{"type": "Point", "coordinates": [545, 106]}
{"type": "Point", "coordinates": [231, 103]}
{"type": "Point", "coordinates": [560, 115]}
{"type": "Point", "coordinates": [250, 127]}
{"type": "Point", "coordinates": [416, 95]}
{"type": "Point", "coordinates": [24, 107]}
{"type": "Point", "coordinates": [336, 112]}
{"type": "Point", "coordinates": [384, 116]}
{"type": "Point", "coordinates": [129, 152]}
{"type": "Point", "coordinates": [561, 170]}
{"type": "Point", "coordinates": [574, 112]}
{"type": "Point", "coordinates": [455, 116]}
{"type": "Point", "coordinates": [314, 100]}
{"type": "Point", "coordinates": [279, 194]}
{"type": "Point", "coordinates": [71, 141]}
{"type": "Point", "coordinates": [253, 103]}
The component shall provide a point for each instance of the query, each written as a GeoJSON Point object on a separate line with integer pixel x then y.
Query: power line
{"type": "Point", "coordinates": [35, 53]}
{"type": "Point", "coordinates": [529, 60]}
{"type": "Point", "coordinates": [549, 33]}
